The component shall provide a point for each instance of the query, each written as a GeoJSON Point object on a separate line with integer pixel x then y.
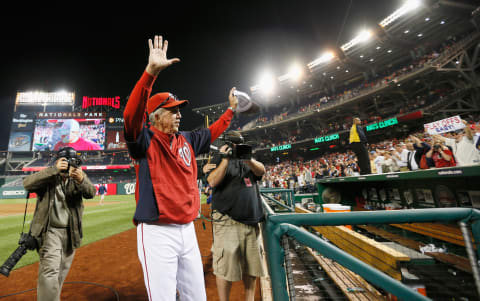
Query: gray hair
{"type": "Point", "coordinates": [152, 115]}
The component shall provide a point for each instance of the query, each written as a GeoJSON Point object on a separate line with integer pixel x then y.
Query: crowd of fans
{"type": "Point", "coordinates": [294, 135]}
{"type": "Point", "coordinates": [415, 151]}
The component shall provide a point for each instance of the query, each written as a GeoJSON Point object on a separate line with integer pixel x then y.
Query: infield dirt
{"type": "Point", "coordinates": [113, 263]}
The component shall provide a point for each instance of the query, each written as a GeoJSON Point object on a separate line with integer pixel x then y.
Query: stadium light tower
{"type": "Point", "coordinates": [409, 6]}
{"type": "Point", "coordinates": [363, 36]}
{"type": "Point", "coordinates": [266, 84]}
{"type": "Point", "coordinates": [295, 73]}
{"type": "Point", "coordinates": [325, 57]}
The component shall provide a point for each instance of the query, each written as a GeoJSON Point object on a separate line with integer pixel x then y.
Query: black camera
{"type": "Point", "coordinates": [71, 155]}
{"type": "Point", "coordinates": [238, 149]}
{"type": "Point", "coordinates": [75, 162]}
{"type": "Point", "coordinates": [26, 242]}
{"type": "Point", "coordinates": [437, 147]}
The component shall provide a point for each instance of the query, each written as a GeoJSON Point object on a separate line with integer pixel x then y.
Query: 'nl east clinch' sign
{"type": "Point", "coordinates": [382, 124]}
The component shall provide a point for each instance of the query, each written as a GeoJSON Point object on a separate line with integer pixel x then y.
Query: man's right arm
{"type": "Point", "coordinates": [39, 180]}
{"type": "Point", "coordinates": [135, 108]}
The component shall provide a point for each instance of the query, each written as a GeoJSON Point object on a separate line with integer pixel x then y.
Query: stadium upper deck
{"type": "Point", "coordinates": [425, 56]}
{"type": "Point", "coordinates": [384, 47]}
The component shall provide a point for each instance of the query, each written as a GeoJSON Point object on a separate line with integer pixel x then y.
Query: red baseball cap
{"type": "Point", "coordinates": [164, 100]}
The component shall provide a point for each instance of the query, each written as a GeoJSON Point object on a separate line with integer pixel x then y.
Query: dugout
{"type": "Point", "coordinates": [431, 188]}
{"type": "Point", "coordinates": [307, 198]}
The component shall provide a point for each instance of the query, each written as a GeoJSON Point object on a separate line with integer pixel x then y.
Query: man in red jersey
{"type": "Point", "coordinates": [166, 193]}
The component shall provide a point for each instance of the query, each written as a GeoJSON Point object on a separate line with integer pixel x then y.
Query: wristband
{"type": "Point", "coordinates": [233, 110]}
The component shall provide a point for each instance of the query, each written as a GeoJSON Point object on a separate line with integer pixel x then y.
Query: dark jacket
{"type": "Point", "coordinates": [102, 189]}
{"type": "Point", "coordinates": [43, 183]}
{"type": "Point", "coordinates": [361, 134]}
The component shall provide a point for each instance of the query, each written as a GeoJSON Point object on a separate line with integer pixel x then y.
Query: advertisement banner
{"type": "Point", "coordinates": [90, 167]}
{"type": "Point", "coordinates": [444, 125]}
{"type": "Point", "coordinates": [23, 122]}
{"type": "Point", "coordinates": [45, 98]}
{"type": "Point", "coordinates": [126, 188]}
{"type": "Point", "coordinates": [116, 140]}
{"type": "Point", "coordinates": [115, 122]}
{"type": "Point", "coordinates": [13, 193]}
{"type": "Point", "coordinates": [20, 141]}
{"type": "Point", "coordinates": [111, 188]}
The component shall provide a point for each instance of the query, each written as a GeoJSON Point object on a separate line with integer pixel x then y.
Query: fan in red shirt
{"type": "Point", "coordinates": [441, 155]}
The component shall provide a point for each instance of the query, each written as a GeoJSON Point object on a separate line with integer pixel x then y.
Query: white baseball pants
{"type": "Point", "coordinates": [171, 261]}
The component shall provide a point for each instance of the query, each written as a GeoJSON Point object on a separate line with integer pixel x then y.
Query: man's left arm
{"type": "Point", "coordinates": [200, 140]}
{"type": "Point", "coordinates": [219, 126]}
{"type": "Point", "coordinates": [256, 167]}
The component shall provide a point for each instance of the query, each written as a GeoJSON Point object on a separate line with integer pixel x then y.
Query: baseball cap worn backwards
{"type": "Point", "coordinates": [164, 100]}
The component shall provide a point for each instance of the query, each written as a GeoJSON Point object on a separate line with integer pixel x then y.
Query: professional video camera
{"type": "Point", "coordinates": [238, 149]}
{"type": "Point", "coordinates": [26, 242]}
{"type": "Point", "coordinates": [71, 155]}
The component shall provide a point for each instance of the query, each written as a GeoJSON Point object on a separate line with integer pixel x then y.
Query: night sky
{"type": "Point", "coordinates": [102, 51]}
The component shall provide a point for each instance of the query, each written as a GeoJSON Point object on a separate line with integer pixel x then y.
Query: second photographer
{"type": "Point", "coordinates": [57, 221]}
{"type": "Point", "coordinates": [237, 210]}
{"type": "Point", "coordinates": [441, 155]}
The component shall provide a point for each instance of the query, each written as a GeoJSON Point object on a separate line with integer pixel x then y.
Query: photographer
{"type": "Point", "coordinates": [441, 155]}
{"type": "Point", "coordinates": [57, 221]}
{"type": "Point", "coordinates": [237, 210]}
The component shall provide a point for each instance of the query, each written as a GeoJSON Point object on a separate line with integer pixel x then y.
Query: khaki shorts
{"type": "Point", "coordinates": [236, 249]}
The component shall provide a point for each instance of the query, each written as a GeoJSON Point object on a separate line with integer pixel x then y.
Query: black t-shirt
{"type": "Point", "coordinates": [238, 195]}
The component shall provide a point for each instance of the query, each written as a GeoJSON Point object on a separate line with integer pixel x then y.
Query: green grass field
{"type": "Point", "coordinates": [98, 222]}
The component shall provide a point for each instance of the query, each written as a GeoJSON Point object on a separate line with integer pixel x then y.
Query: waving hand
{"type": "Point", "coordinates": [157, 59]}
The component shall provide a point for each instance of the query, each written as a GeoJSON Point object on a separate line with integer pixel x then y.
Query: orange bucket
{"type": "Point", "coordinates": [337, 208]}
{"type": "Point", "coordinates": [420, 288]}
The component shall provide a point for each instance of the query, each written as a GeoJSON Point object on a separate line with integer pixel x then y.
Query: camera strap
{"type": "Point", "coordinates": [25, 214]}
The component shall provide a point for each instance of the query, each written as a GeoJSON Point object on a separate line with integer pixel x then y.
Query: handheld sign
{"type": "Point", "coordinates": [445, 125]}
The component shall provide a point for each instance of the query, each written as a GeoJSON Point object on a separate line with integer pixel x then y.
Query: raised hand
{"type": "Point", "coordinates": [233, 100]}
{"type": "Point", "coordinates": [157, 59]}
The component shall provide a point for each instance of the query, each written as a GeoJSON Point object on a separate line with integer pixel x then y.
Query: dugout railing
{"type": "Point", "coordinates": [280, 225]}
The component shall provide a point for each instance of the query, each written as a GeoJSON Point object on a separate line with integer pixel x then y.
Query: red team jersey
{"type": "Point", "coordinates": [166, 190]}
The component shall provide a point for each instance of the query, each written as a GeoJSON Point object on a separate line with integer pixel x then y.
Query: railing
{"type": "Point", "coordinates": [277, 226]}
{"type": "Point", "coordinates": [285, 195]}
{"type": "Point", "coordinates": [455, 50]}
